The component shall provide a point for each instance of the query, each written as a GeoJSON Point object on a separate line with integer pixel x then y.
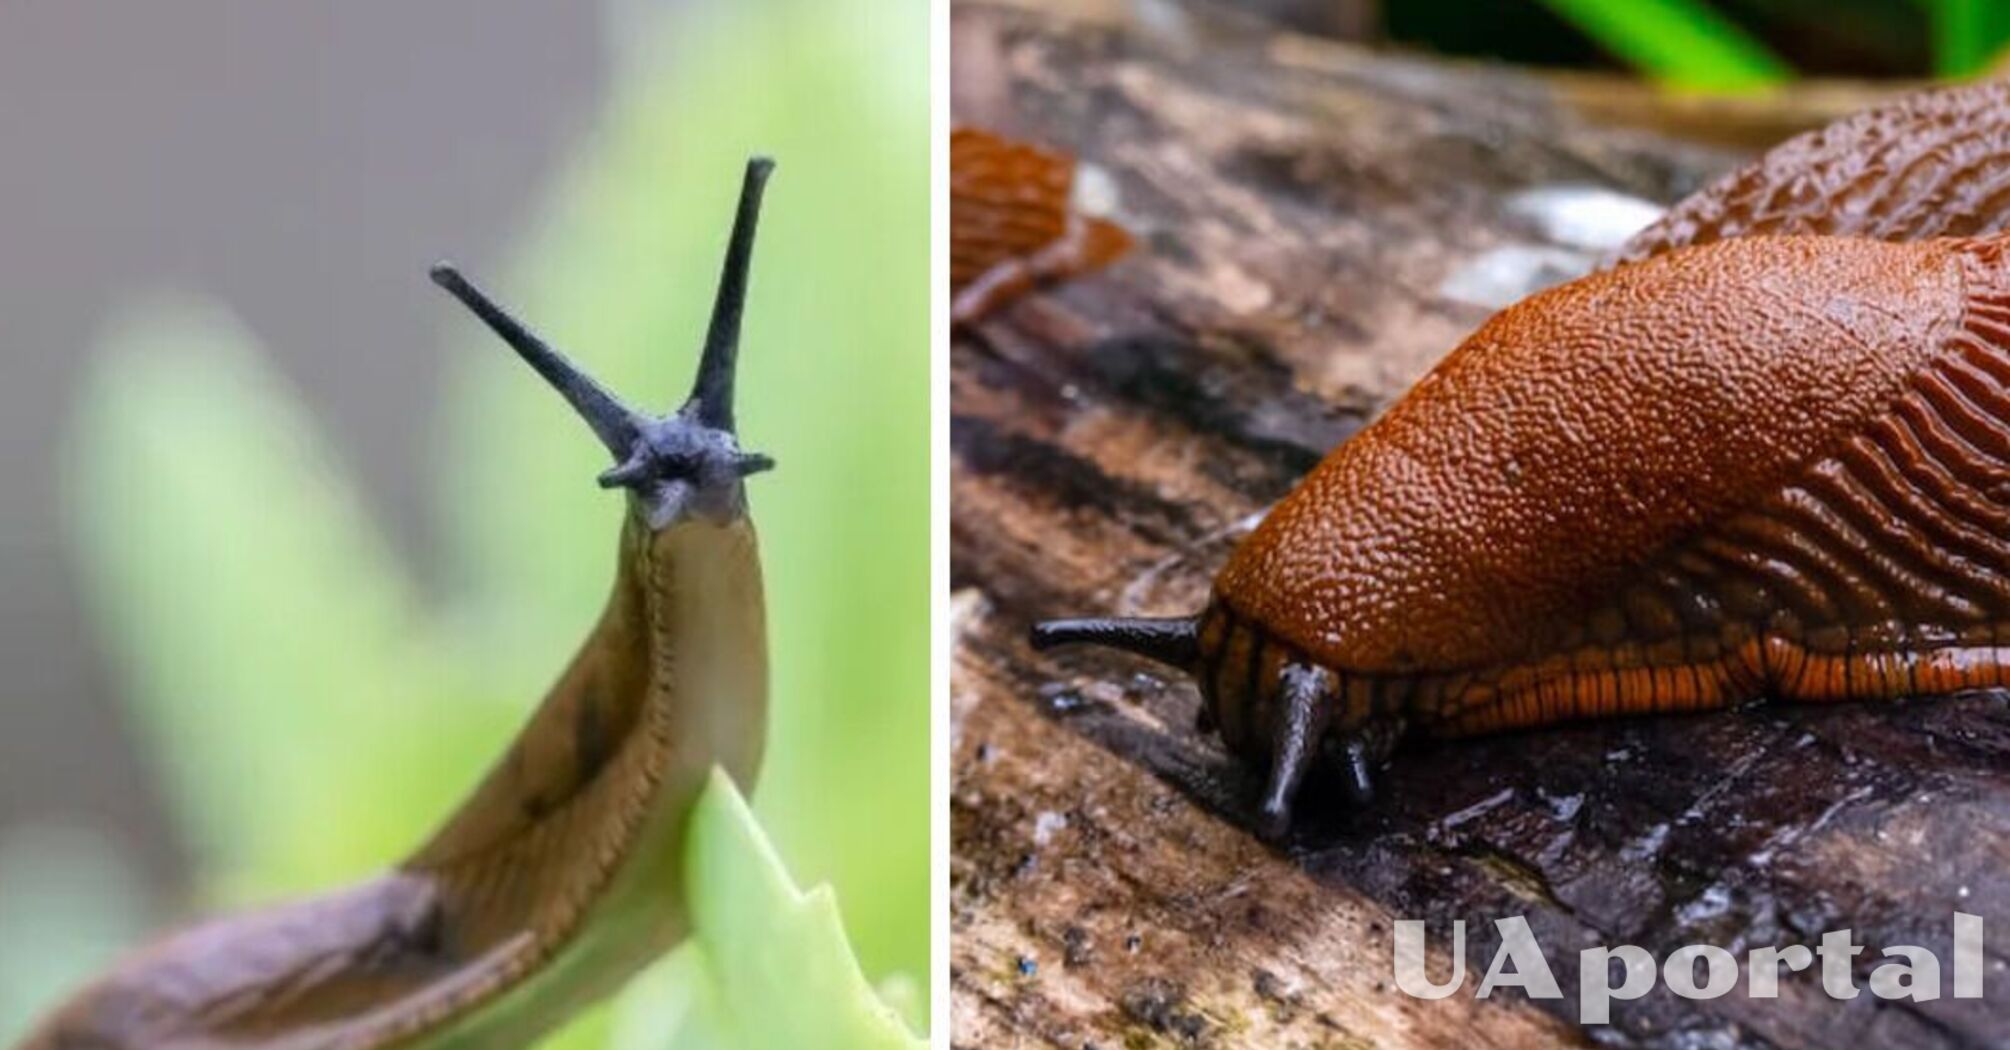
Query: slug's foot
{"type": "Point", "coordinates": [685, 464]}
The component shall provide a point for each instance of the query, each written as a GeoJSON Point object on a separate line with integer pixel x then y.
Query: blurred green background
{"type": "Point", "coordinates": [1722, 45]}
{"type": "Point", "coordinates": [315, 624]}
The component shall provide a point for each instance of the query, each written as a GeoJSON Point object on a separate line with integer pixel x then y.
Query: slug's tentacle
{"type": "Point", "coordinates": [615, 424]}
{"type": "Point", "coordinates": [1173, 640]}
{"type": "Point", "coordinates": [1359, 760]}
{"type": "Point", "coordinates": [1305, 697]}
{"type": "Point", "coordinates": [711, 401]}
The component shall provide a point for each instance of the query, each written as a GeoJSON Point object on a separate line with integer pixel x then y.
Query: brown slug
{"type": "Point", "coordinates": [1735, 467]}
{"type": "Point", "coordinates": [1013, 224]}
{"type": "Point", "coordinates": [560, 876]}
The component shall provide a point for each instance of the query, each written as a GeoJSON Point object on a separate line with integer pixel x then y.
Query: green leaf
{"type": "Point", "coordinates": [1968, 35]}
{"type": "Point", "coordinates": [1682, 43]}
{"type": "Point", "coordinates": [673, 1006]}
{"type": "Point", "coordinates": [782, 971]}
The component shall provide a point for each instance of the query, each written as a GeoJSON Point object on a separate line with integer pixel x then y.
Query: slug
{"type": "Point", "coordinates": [1733, 468]}
{"type": "Point", "coordinates": [559, 877]}
{"type": "Point", "coordinates": [1013, 224]}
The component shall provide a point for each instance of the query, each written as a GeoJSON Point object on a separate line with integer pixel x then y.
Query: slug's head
{"type": "Point", "coordinates": [1272, 704]}
{"type": "Point", "coordinates": [678, 466]}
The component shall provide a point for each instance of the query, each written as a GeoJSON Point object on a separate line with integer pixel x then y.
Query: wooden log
{"type": "Point", "coordinates": [1316, 225]}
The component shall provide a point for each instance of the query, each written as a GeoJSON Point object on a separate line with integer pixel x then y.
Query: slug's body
{"type": "Point", "coordinates": [1773, 466]}
{"type": "Point", "coordinates": [560, 876]}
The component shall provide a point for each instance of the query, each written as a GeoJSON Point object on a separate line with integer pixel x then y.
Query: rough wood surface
{"type": "Point", "coordinates": [1313, 222]}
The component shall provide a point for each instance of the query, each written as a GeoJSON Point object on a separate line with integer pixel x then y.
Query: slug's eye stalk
{"type": "Point", "coordinates": [1173, 641]}
{"type": "Point", "coordinates": [712, 394]}
{"type": "Point", "coordinates": [688, 462]}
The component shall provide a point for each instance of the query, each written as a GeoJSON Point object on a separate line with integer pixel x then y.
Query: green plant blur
{"type": "Point", "coordinates": [1968, 35]}
{"type": "Point", "coordinates": [1680, 42]}
{"type": "Point", "coordinates": [1688, 44]}
{"type": "Point", "coordinates": [313, 713]}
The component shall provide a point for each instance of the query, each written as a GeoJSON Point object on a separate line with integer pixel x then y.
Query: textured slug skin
{"type": "Point", "coordinates": [579, 826]}
{"type": "Point", "coordinates": [1931, 164]}
{"type": "Point", "coordinates": [1757, 466]}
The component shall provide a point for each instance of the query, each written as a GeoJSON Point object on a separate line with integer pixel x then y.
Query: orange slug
{"type": "Point", "coordinates": [559, 877]}
{"type": "Point", "coordinates": [1739, 466]}
{"type": "Point", "coordinates": [1013, 225]}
